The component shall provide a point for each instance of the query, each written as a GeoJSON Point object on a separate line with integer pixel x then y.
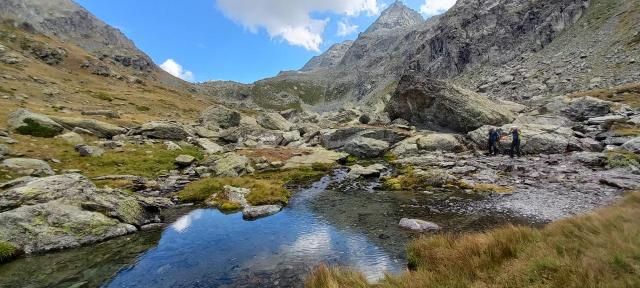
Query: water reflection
{"type": "Point", "coordinates": [183, 223]}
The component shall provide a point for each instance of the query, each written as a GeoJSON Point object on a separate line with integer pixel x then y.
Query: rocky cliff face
{"type": "Point", "coordinates": [510, 49]}
{"type": "Point", "coordinates": [330, 58]}
{"type": "Point", "coordinates": [68, 21]}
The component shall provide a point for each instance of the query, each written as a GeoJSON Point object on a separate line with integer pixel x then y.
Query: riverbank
{"type": "Point", "coordinates": [596, 249]}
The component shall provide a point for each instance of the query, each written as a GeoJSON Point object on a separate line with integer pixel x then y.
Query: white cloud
{"type": "Point", "coordinates": [291, 20]}
{"type": "Point", "coordinates": [435, 7]}
{"type": "Point", "coordinates": [345, 28]}
{"type": "Point", "coordinates": [175, 69]}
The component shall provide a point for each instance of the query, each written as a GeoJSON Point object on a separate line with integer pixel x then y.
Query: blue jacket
{"type": "Point", "coordinates": [493, 136]}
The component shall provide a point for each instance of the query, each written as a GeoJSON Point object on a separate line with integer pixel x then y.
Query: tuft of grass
{"type": "Point", "coordinates": [599, 249]}
{"type": "Point", "coordinates": [143, 109]}
{"type": "Point", "coordinates": [33, 128]}
{"type": "Point", "coordinates": [492, 188]}
{"type": "Point", "coordinates": [102, 96]}
{"type": "Point", "coordinates": [331, 277]}
{"type": "Point", "coordinates": [7, 251]}
{"type": "Point", "coordinates": [266, 188]}
{"type": "Point", "coordinates": [620, 158]}
{"type": "Point", "coordinates": [389, 157]}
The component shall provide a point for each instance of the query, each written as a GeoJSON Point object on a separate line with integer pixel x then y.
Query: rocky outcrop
{"type": "Point", "coordinates": [26, 122]}
{"type": "Point", "coordinates": [67, 211]}
{"type": "Point", "coordinates": [230, 165]}
{"type": "Point", "coordinates": [97, 128]}
{"type": "Point", "coordinates": [440, 142]}
{"type": "Point", "coordinates": [25, 166]}
{"type": "Point", "coordinates": [365, 148]}
{"type": "Point", "coordinates": [535, 139]}
{"type": "Point", "coordinates": [438, 105]}
{"type": "Point", "coordinates": [274, 121]}
{"type": "Point", "coordinates": [218, 116]}
{"type": "Point", "coordinates": [632, 145]}
{"type": "Point", "coordinates": [165, 130]}
{"type": "Point", "coordinates": [583, 108]}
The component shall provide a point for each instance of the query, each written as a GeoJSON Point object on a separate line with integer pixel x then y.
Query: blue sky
{"type": "Point", "coordinates": [240, 40]}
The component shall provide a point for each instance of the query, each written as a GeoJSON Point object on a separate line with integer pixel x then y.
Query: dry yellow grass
{"type": "Point", "coordinates": [625, 94]}
{"type": "Point", "coordinates": [600, 249]}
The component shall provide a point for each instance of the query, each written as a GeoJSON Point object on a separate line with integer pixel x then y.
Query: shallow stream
{"type": "Point", "coordinates": [331, 222]}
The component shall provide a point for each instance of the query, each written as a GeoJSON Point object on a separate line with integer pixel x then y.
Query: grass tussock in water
{"type": "Point", "coordinates": [7, 251]}
{"type": "Point", "coordinates": [600, 249]}
{"type": "Point", "coordinates": [266, 188]}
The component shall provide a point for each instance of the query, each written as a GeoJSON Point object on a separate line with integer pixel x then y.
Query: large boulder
{"type": "Point", "coordinates": [64, 211]}
{"type": "Point", "coordinates": [209, 146]}
{"type": "Point", "coordinates": [363, 147]}
{"type": "Point", "coordinates": [583, 108]}
{"type": "Point", "coordinates": [254, 134]}
{"type": "Point", "coordinates": [358, 171]}
{"type": "Point", "coordinates": [440, 142]}
{"type": "Point", "coordinates": [165, 130]}
{"type": "Point", "coordinates": [535, 139]}
{"type": "Point", "coordinates": [230, 165]}
{"type": "Point", "coordinates": [218, 116]}
{"type": "Point", "coordinates": [316, 155]}
{"type": "Point", "coordinates": [274, 121]}
{"type": "Point", "coordinates": [89, 151]}
{"type": "Point", "coordinates": [97, 128]}
{"type": "Point", "coordinates": [434, 104]}
{"type": "Point", "coordinates": [26, 122]}
{"type": "Point", "coordinates": [26, 166]}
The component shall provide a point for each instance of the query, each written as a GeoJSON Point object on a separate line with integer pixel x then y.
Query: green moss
{"type": "Point", "coordinates": [617, 159]}
{"type": "Point", "coordinates": [230, 206]}
{"type": "Point", "coordinates": [351, 160]}
{"type": "Point", "coordinates": [33, 128]}
{"type": "Point", "coordinates": [7, 251]}
{"type": "Point", "coordinates": [129, 211]}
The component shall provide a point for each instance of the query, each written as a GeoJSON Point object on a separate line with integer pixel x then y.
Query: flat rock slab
{"type": "Point", "coordinates": [418, 225]}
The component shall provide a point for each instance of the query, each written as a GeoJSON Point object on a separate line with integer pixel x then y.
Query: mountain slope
{"type": "Point", "coordinates": [488, 46]}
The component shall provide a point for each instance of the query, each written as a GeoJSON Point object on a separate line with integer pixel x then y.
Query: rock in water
{"type": "Point", "coordinates": [25, 166]}
{"type": "Point", "coordinates": [438, 105]}
{"type": "Point", "coordinates": [418, 225]}
{"type": "Point", "coordinates": [64, 211]}
{"type": "Point", "coordinates": [357, 171]}
{"type": "Point", "coordinates": [255, 212]}
{"type": "Point", "coordinates": [362, 147]}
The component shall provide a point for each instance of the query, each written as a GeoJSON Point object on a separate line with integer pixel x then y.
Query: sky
{"type": "Point", "coordinates": [242, 40]}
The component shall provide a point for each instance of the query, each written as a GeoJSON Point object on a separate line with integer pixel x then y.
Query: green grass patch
{"type": "Point", "coordinates": [7, 251]}
{"type": "Point", "coordinates": [33, 128]}
{"type": "Point", "coordinates": [266, 188]}
{"type": "Point", "coordinates": [140, 160]}
{"type": "Point", "coordinates": [625, 129]}
{"type": "Point", "coordinates": [599, 249]}
{"type": "Point", "coordinates": [617, 159]}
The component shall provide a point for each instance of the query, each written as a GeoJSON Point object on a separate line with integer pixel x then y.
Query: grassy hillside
{"type": "Point", "coordinates": [601, 249]}
{"type": "Point", "coordinates": [66, 86]}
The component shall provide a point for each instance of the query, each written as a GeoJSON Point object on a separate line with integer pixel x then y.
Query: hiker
{"type": "Point", "coordinates": [515, 141]}
{"type": "Point", "coordinates": [493, 141]}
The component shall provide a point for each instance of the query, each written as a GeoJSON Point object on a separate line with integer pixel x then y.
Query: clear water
{"type": "Point", "coordinates": [326, 223]}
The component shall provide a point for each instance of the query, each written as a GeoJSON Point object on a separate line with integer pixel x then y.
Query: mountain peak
{"type": "Point", "coordinates": [396, 15]}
